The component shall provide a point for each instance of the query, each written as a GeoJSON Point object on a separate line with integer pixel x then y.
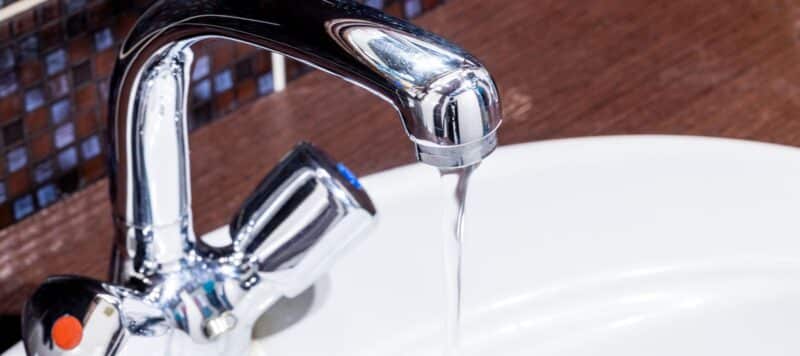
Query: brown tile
{"type": "Point", "coordinates": [30, 72]}
{"type": "Point", "coordinates": [395, 8]}
{"type": "Point", "coordinates": [49, 11]}
{"type": "Point", "coordinates": [104, 63]}
{"type": "Point", "coordinates": [10, 107]}
{"type": "Point", "coordinates": [93, 169]}
{"type": "Point", "coordinates": [24, 22]}
{"type": "Point", "coordinates": [243, 50]}
{"type": "Point", "coordinates": [80, 49]}
{"type": "Point", "coordinates": [86, 98]}
{"type": "Point", "coordinates": [41, 146]}
{"type": "Point", "coordinates": [99, 14]}
{"type": "Point", "coordinates": [82, 73]}
{"type": "Point", "coordinates": [124, 24]}
{"type": "Point", "coordinates": [245, 90]}
{"type": "Point", "coordinates": [5, 31]}
{"type": "Point", "coordinates": [262, 63]}
{"type": "Point", "coordinates": [223, 55]}
{"type": "Point", "coordinates": [35, 121]}
{"type": "Point", "coordinates": [223, 103]}
{"type": "Point", "coordinates": [18, 183]}
{"type": "Point", "coordinates": [86, 123]}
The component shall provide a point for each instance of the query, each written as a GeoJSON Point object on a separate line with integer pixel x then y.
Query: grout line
{"type": "Point", "coordinates": [278, 72]}
{"type": "Point", "coordinates": [17, 8]}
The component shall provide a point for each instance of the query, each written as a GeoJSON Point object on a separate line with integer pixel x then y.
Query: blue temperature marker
{"type": "Point", "coordinates": [351, 177]}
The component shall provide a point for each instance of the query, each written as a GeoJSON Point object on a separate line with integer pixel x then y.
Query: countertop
{"type": "Point", "coordinates": [564, 68]}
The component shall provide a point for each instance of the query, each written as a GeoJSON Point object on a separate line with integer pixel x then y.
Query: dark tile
{"type": "Point", "coordinates": [69, 182]}
{"type": "Point", "coordinates": [46, 195]}
{"type": "Point", "coordinates": [86, 98]}
{"type": "Point", "coordinates": [49, 11]}
{"type": "Point", "coordinates": [60, 111]}
{"type": "Point", "coordinates": [77, 25]}
{"type": "Point", "coordinates": [8, 84]}
{"type": "Point", "coordinates": [56, 61]}
{"type": "Point", "coordinates": [51, 36]}
{"type": "Point", "coordinates": [200, 116]}
{"type": "Point", "coordinates": [30, 72]}
{"type": "Point", "coordinates": [41, 147]}
{"type": "Point", "coordinates": [34, 99]}
{"type": "Point", "coordinates": [13, 133]}
{"type": "Point", "coordinates": [28, 48]}
{"type": "Point", "coordinates": [82, 73]}
{"type": "Point", "coordinates": [7, 60]}
{"type": "Point", "coordinates": [23, 207]}
{"type": "Point", "coordinates": [3, 193]}
{"type": "Point", "coordinates": [7, 219]}
{"type": "Point", "coordinates": [16, 159]}
{"type": "Point", "coordinates": [58, 86]}
{"type": "Point", "coordinates": [244, 69]}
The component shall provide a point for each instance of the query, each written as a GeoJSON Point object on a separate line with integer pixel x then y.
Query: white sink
{"type": "Point", "coordinates": [638, 245]}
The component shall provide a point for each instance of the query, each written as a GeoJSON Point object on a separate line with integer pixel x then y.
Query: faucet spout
{"type": "Point", "coordinates": [446, 99]}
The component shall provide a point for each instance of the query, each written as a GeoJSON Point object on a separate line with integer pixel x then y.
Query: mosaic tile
{"type": "Point", "coordinates": [23, 207]}
{"type": "Point", "coordinates": [266, 84]}
{"type": "Point", "coordinates": [56, 61]}
{"type": "Point", "coordinates": [60, 111]}
{"type": "Point", "coordinates": [44, 171]}
{"type": "Point", "coordinates": [223, 81]}
{"type": "Point", "coordinates": [202, 90]}
{"type": "Point", "coordinates": [16, 159]}
{"type": "Point", "coordinates": [68, 159]}
{"type": "Point", "coordinates": [413, 8]}
{"type": "Point", "coordinates": [64, 135]}
{"type": "Point", "coordinates": [202, 66]}
{"type": "Point", "coordinates": [90, 147]}
{"type": "Point", "coordinates": [13, 133]}
{"type": "Point", "coordinates": [103, 39]}
{"type": "Point", "coordinates": [34, 99]}
{"type": "Point", "coordinates": [47, 195]}
{"type": "Point", "coordinates": [8, 84]}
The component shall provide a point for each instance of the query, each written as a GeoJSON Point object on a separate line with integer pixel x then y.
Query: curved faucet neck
{"type": "Point", "coordinates": [446, 99]}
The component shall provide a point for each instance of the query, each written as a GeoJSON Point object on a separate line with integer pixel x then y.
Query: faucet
{"type": "Point", "coordinates": [174, 293]}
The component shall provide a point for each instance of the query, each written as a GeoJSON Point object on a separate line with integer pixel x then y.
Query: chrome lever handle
{"type": "Point", "coordinates": [306, 211]}
{"type": "Point", "coordinates": [80, 316]}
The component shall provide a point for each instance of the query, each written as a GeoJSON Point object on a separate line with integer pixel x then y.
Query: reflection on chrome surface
{"type": "Point", "coordinates": [184, 295]}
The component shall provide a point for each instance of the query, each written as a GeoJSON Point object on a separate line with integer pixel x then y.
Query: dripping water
{"type": "Point", "coordinates": [454, 185]}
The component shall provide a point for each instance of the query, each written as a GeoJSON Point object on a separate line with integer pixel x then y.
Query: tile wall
{"type": "Point", "coordinates": [55, 60]}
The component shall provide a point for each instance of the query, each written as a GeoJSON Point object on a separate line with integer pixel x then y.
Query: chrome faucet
{"type": "Point", "coordinates": [175, 294]}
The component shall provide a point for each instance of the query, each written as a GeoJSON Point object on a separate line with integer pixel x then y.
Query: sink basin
{"type": "Point", "coordinates": [626, 245]}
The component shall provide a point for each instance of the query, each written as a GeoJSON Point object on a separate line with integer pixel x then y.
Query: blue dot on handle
{"type": "Point", "coordinates": [349, 175]}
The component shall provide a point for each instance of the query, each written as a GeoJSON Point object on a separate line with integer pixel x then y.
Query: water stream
{"type": "Point", "coordinates": [454, 185]}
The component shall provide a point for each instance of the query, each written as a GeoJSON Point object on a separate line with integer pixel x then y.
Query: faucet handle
{"type": "Point", "coordinates": [80, 316]}
{"type": "Point", "coordinates": [304, 213]}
